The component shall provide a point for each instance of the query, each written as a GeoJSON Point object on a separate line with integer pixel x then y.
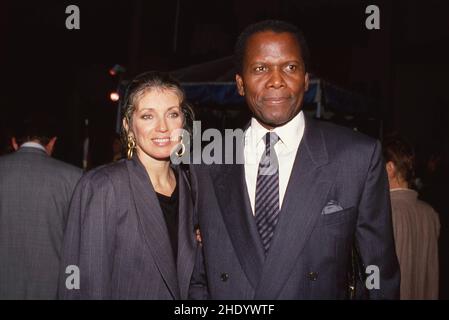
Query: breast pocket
{"type": "Point", "coordinates": [343, 216]}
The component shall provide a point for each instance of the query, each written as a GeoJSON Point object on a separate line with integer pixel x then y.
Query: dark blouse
{"type": "Point", "coordinates": [170, 209]}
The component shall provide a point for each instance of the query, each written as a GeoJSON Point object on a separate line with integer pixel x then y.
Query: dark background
{"type": "Point", "coordinates": [45, 66]}
{"type": "Point", "coordinates": [403, 66]}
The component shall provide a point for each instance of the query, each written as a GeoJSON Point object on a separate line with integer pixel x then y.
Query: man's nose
{"type": "Point", "coordinates": [276, 79]}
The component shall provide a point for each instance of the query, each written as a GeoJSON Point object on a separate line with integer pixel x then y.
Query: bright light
{"type": "Point", "coordinates": [114, 96]}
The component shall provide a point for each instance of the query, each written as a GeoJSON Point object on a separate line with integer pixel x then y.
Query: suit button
{"type": "Point", "coordinates": [224, 277]}
{"type": "Point", "coordinates": [313, 276]}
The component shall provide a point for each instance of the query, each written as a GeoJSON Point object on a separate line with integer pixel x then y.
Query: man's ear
{"type": "Point", "coordinates": [306, 81]}
{"type": "Point", "coordinates": [14, 144]}
{"type": "Point", "coordinates": [50, 146]}
{"type": "Point", "coordinates": [240, 86]}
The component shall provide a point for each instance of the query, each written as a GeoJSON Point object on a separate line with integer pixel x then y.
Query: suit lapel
{"type": "Point", "coordinates": [236, 210]}
{"type": "Point", "coordinates": [153, 224]}
{"type": "Point", "coordinates": [305, 196]}
{"type": "Point", "coordinates": [186, 237]}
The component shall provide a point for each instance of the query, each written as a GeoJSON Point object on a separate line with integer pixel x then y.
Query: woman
{"type": "Point", "coordinates": [130, 227]}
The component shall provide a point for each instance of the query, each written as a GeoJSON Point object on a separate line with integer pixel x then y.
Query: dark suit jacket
{"type": "Point", "coordinates": [117, 236]}
{"type": "Point", "coordinates": [337, 172]}
{"type": "Point", "coordinates": [35, 192]}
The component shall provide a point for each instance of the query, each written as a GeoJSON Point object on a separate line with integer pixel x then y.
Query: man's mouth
{"type": "Point", "coordinates": [275, 100]}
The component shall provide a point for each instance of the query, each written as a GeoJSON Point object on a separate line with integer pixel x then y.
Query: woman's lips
{"type": "Point", "coordinates": [161, 142]}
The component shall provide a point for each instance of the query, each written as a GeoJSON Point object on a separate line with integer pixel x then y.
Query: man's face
{"type": "Point", "coordinates": [273, 78]}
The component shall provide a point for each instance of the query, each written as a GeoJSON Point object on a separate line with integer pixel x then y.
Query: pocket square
{"type": "Point", "coordinates": [331, 207]}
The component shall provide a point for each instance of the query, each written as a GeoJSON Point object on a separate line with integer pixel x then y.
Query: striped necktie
{"type": "Point", "coordinates": [267, 191]}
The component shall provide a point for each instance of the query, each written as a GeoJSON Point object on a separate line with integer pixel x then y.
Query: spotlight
{"type": "Point", "coordinates": [114, 96]}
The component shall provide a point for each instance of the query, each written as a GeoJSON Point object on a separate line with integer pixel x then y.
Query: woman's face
{"type": "Point", "coordinates": [156, 122]}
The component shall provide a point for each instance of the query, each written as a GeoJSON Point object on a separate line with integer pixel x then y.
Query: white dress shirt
{"type": "Point", "coordinates": [290, 136]}
{"type": "Point", "coordinates": [31, 144]}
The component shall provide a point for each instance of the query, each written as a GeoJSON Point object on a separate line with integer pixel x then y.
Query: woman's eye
{"type": "Point", "coordinates": [147, 117]}
{"type": "Point", "coordinates": [174, 115]}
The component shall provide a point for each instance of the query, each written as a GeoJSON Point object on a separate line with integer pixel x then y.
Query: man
{"type": "Point", "coordinates": [416, 225]}
{"type": "Point", "coordinates": [288, 232]}
{"type": "Point", "coordinates": [35, 192]}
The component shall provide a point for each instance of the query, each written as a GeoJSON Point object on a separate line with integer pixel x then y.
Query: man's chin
{"type": "Point", "coordinates": [273, 122]}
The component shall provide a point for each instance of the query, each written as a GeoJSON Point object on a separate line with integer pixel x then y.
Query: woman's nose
{"type": "Point", "coordinates": [162, 126]}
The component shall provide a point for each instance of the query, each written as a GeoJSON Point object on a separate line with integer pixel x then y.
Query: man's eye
{"type": "Point", "coordinates": [260, 68]}
{"type": "Point", "coordinates": [147, 117]}
{"type": "Point", "coordinates": [292, 67]}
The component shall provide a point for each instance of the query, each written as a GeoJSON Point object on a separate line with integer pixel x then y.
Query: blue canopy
{"type": "Point", "coordinates": [225, 93]}
{"type": "Point", "coordinates": [321, 93]}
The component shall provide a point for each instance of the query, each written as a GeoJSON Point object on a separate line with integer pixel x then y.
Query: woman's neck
{"type": "Point", "coordinates": [398, 183]}
{"type": "Point", "coordinates": [161, 174]}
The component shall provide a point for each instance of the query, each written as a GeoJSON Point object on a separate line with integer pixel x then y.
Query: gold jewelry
{"type": "Point", "coordinates": [131, 146]}
{"type": "Point", "coordinates": [183, 150]}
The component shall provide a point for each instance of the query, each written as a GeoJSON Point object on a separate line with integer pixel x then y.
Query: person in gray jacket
{"type": "Point", "coordinates": [35, 192]}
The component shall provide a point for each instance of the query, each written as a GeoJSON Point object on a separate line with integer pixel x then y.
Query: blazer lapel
{"type": "Point", "coordinates": [306, 192]}
{"type": "Point", "coordinates": [186, 235]}
{"type": "Point", "coordinates": [236, 210]}
{"type": "Point", "coordinates": [153, 224]}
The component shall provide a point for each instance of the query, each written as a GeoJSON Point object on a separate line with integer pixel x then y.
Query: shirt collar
{"type": "Point", "coordinates": [31, 144]}
{"type": "Point", "coordinates": [288, 133]}
{"type": "Point", "coordinates": [400, 189]}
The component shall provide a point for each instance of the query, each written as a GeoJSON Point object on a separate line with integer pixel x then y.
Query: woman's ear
{"type": "Point", "coordinates": [391, 169]}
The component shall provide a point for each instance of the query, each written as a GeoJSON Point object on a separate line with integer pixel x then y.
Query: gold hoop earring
{"type": "Point", "coordinates": [131, 146]}
{"type": "Point", "coordinates": [183, 150]}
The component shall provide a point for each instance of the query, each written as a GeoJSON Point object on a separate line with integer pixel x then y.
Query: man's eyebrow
{"type": "Point", "coordinates": [269, 62]}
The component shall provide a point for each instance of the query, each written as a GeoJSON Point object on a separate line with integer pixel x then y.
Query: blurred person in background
{"type": "Point", "coordinates": [35, 192]}
{"type": "Point", "coordinates": [415, 223]}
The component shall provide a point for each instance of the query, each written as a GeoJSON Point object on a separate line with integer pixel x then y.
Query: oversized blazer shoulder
{"type": "Point", "coordinates": [117, 237]}
{"type": "Point", "coordinates": [310, 251]}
